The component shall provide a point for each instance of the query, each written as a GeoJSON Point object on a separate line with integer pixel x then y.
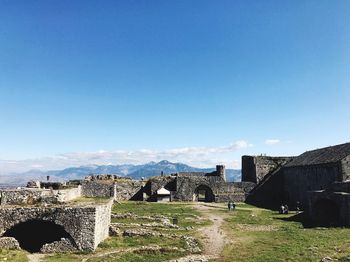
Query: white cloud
{"type": "Point", "coordinates": [272, 141]}
{"type": "Point", "coordinates": [196, 156]}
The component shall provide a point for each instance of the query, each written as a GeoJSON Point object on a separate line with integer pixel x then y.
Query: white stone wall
{"type": "Point", "coordinates": [65, 195]}
{"type": "Point", "coordinates": [102, 222]}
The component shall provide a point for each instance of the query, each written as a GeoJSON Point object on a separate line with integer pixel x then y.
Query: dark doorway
{"type": "Point", "coordinates": [204, 194]}
{"type": "Point", "coordinates": [326, 212]}
{"type": "Point", "coordinates": [33, 234]}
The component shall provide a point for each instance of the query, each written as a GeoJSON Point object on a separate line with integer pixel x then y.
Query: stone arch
{"type": "Point", "coordinates": [33, 234]}
{"type": "Point", "coordinates": [203, 193]}
{"type": "Point", "coordinates": [326, 212]}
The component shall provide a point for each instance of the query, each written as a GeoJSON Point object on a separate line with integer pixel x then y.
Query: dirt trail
{"type": "Point", "coordinates": [213, 235]}
{"type": "Point", "coordinates": [35, 257]}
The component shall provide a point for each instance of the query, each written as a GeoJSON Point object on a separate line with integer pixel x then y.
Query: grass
{"type": "Point", "coordinates": [13, 255]}
{"type": "Point", "coordinates": [264, 235]}
{"type": "Point", "coordinates": [185, 213]}
{"type": "Point", "coordinates": [108, 249]}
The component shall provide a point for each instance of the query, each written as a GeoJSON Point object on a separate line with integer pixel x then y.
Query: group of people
{"type": "Point", "coordinates": [231, 205]}
{"type": "Point", "coordinates": [284, 209]}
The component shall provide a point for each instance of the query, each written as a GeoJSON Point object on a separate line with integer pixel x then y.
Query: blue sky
{"type": "Point", "coordinates": [89, 78]}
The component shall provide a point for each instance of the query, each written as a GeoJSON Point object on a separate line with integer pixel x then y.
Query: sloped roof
{"type": "Point", "coordinates": [325, 155]}
{"type": "Point", "coordinates": [163, 191]}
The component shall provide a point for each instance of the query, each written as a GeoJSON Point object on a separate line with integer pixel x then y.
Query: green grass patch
{"type": "Point", "coordinates": [13, 255]}
{"type": "Point", "coordinates": [185, 213]}
{"type": "Point", "coordinates": [264, 235]}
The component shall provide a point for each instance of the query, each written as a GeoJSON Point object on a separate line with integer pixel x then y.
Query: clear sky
{"type": "Point", "coordinates": [194, 81]}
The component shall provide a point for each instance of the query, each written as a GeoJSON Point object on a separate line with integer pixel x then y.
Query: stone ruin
{"type": "Point", "coordinates": [184, 186]}
{"type": "Point", "coordinates": [39, 219]}
{"type": "Point", "coordinates": [317, 181]}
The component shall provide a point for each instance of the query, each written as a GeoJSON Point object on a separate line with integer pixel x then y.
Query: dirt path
{"type": "Point", "coordinates": [213, 235]}
{"type": "Point", "coordinates": [35, 257]}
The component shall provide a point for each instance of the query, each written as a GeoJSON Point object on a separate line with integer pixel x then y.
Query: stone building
{"type": "Point", "coordinates": [56, 217]}
{"type": "Point", "coordinates": [199, 186]}
{"type": "Point", "coordinates": [318, 180]}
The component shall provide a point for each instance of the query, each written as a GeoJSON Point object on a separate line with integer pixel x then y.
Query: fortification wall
{"type": "Point", "coordinates": [222, 191]}
{"type": "Point", "coordinates": [98, 188]}
{"type": "Point", "coordinates": [29, 196]}
{"type": "Point", "coordinates": [102, 222]}
{"type": "Point", "coordinates": [87, 225]}
{"type": "Point", "coordinates": [255, 168]}
{"type": "Point", "coordinates": [128, 190]}
{"type": "Point", "coordinates": [26, 196]}
{"type": "Point", "coordinates": [340, 200]}
{"type": "Point", "coordinates": [301, 179]}
{"type": "Point", "coordinates": [69, 194]}
{"type": "Point", "coordinates": [345, 165]}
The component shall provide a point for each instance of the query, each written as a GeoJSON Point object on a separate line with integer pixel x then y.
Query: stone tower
{"type": "Point", "coordinates": [220, 170]}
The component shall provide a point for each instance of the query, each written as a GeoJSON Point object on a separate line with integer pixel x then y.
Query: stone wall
{"type": "Point", "coordinates": [299, 180]}
{"type": "Point", "coordinates": [340, 201]}
{"type": "Point", "coordinates": [269, 192]}
{"type": "Point", "coordinates": [102, 222]}
{"type": "Point", "coordinates": [29, 196]}
{"type": "Point", "coordinates": [186, 186]}
{"type": "Point", "coordinates": [128, 190]}
{"type": "Point", "coordinates": [69, 194]}
{"type": "Point", "coordinates": [98, 188]}
{"type": "Point", "coordinates": [255, 168]}
{"type": "Point", "coordinates": [345, 165]}
{"type": "Point", "coordinates": [86, 224]}
{"type": "Point", "coordinates": [25, 196]}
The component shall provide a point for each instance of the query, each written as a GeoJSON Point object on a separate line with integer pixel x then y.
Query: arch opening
{"type": "Point", "coordinates": [326, 212]}
{"type": "Point", "coordinates": [33, 234]}
{"type": "Point", "coordinates": [204, 194]}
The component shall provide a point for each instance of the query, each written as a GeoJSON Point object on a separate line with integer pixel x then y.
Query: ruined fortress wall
{"type": "Point", "coordinates": [298, 180]}
{"type": "Point", "coordinates": [87, 225]}
{"type": "Point", "coordinates": [128, 190]}
{"type": "Point", "coordinates": [345, 164]}
{"type": "Point", "coordinates": [269, 193]}
{"type": "Point", "coordinates": [98, 188]}
{"type": "Point", "coordinates": [36, 195]}
{"type": "Point", "coordinates": [255, 168]}
{"type": "Point", "coordinates": [66, 195]}
{"type": "Point", "coordinates": [248, 169]}
{"type": "Point", "coordinates": [223, 191]}
{"type": "Point", "coordinates": [341, 200]}
{"type": "Point", "coordinates": [24, 196]}
{"type": "Point", "coordinates": [102, 222]}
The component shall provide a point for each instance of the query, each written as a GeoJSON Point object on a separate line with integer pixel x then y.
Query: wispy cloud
{"type": "Point", "coordinates": [196, 156]}
{"type": "Point", "coordinates": [272, 141]}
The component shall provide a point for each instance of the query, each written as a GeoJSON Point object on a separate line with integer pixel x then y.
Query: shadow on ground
{"type": "Point", "coordinates": [307, 222]}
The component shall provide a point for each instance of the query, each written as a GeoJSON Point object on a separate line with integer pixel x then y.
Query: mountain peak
{"type": "Point", "coordinates": [164, 162]}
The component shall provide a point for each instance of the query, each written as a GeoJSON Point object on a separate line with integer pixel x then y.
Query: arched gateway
{"type": "Point", "coordinates": [33, 234]}
{"type": "Point", "coordinates": [203, 193]}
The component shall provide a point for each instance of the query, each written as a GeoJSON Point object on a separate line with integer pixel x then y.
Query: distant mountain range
{"type": "Point", "coordinates": [133, 171]}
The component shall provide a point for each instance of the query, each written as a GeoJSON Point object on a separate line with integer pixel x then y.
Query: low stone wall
{"type": "Point", "coordinates": [8, 243]}
{"type": "Point", "coordinates": [66, 195]}
{"type": "Point", "coordinates": [128, 190]}
{"type": "Point", "coordinates": [340, 200]}
{"type": "Point", "coordinates": [98, 188]}
{"type": "Point", "coordinates": [87, 224]}
{"type": "Point", "coordinates": [102, 222]}
{"type": "Point", "coordinates": [64, 245]}
{"type": "Point", "coordinates": [29, 196]}
{"type": "Point", "coordinates": [25, 196]}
